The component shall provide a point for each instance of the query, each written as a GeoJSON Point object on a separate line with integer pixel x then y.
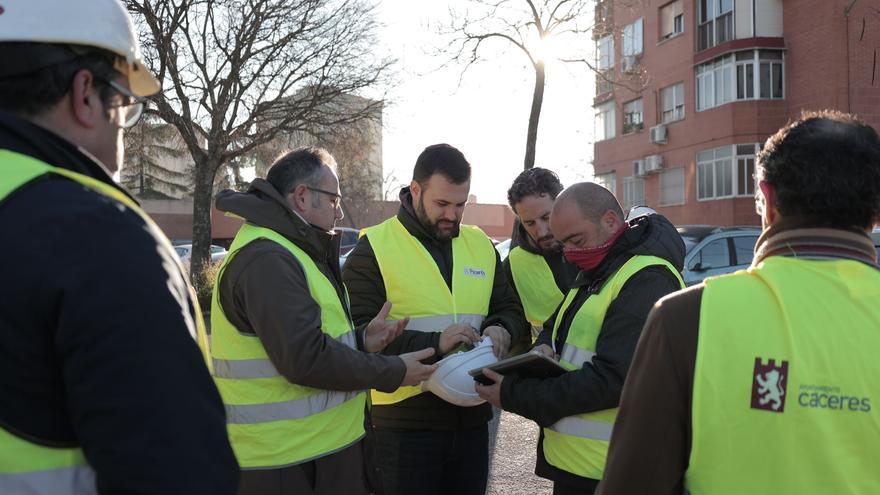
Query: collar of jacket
{"type": "Point", "coordinates": [805, 237]}
{"type": "Point", "coordinates": [407, 216]}
{"type": "Point", "coordinates": [262, 205]}
{"type": "Point", "coordinates": [25, 137]}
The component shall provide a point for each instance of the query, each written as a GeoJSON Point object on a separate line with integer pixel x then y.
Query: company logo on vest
{"type": "Point", "coordinates": [768, 385]}
{"type": "Point", "coordinates": [474, 272]}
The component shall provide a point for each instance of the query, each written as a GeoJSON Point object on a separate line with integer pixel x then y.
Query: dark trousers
{"type": "Point", "coordinates": [561, 489]}
{"type": "Point", "coordinates": [430, 462]}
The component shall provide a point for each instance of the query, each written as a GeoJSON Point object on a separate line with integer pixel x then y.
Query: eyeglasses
{"type": "Point", "coordinates": [337, 198]}
{"type": "Point", "coordinates": [132, 107]}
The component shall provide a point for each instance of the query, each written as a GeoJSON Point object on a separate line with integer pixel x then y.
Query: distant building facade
{"type": "Point", "coordinates": [689, 90]}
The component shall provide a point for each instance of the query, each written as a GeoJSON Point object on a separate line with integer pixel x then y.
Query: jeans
{"type": "Point", "coordinates": [433, 462]}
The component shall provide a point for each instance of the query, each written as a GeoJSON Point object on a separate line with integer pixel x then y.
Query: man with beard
{"type": "Point", "coordinates": [625, 268]}
{"type": "Point", "coordinates": [447, 277]}
{"type": "Point", "coordinates": [535, 267]}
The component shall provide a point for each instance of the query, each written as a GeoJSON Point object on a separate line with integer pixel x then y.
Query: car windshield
{"type": "Point", "coordinates": [217, 249]}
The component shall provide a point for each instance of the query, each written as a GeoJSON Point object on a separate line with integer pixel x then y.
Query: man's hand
{"type": "Point", "coordinates": [500, 340]}
{"type": "Point", "coordinates": [490, 393]}
{"type": "Point", "coordinates": [416, 372]}
{"type": "Point", "coordinates": [380, 331]}
{"type": "Point", "coordinates": [455, 335]}
{"type": "Point", "coordinates": [545, 350]}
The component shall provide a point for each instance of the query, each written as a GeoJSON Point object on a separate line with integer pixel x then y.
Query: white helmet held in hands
{"type": "Point", "coordinates": [452, 383]}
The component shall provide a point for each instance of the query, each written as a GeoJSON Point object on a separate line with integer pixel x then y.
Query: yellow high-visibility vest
{"type": "Point", "coordinates": [786, 380]}
{"type": "Point", "coordinates": [272, 422]}
{"type": "Point", "coordinates": [417, 289]}
{"type": "Point", "coordinates": [579, 444]}
{"type": "Point", "coordinates": [27, 467]}
{"type": "Point", "coordinates": [537, 289]}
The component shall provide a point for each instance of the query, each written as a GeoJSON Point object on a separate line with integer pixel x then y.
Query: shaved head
{"type": "Point", "coordinates": [591, 199]}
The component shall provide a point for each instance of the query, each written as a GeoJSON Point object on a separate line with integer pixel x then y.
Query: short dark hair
{"type": "Point", "coordinates": [533, 182]}
{"type": "Point", "coordinates": [826, 166]}
{"type": "Point", "coordinates": [592, 200]}
{"type": "Point", "coordinates": [33, 93]}
{"type": "Point", "coordinates": [300, 166]}
{"type": "Point", "coordinates": [441, 159]}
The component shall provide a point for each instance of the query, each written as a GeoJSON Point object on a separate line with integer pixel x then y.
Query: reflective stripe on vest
{"type": "Point", "coordinates": [535, 285]}
{"type": "Point", "coordinates": [417, 289]}
{"type": "Point", "coordinates": [26, 467]}
{"type": "Point", "coordinates": [786, 380]}
{"type": "Point", "coordinates": [271, 421]}
{"type": "Point", "coordinates": [579, 444]}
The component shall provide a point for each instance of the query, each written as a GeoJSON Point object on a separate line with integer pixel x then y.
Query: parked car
{"type": "Point", "coordinates": [716, 250]}
{"type": "Point", "coordinates": [347, 243]}
{"type": "Point", "coordinates": [876, 236]}
{"type": "Point", "coordinates": [503, 249]}
{"type": "Point", "coordinates": [184, 251]}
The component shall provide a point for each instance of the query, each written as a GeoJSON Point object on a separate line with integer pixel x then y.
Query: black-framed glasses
{"type": "Point", "coordinates": [337, 198]}
{"type": "Point", "coordinates": [132, 107]}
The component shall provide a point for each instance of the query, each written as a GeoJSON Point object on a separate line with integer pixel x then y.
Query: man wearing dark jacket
{"type": "Point", "coordinates": [102, 388]}
{"type": "Point", "coordinates": [448, 278]}
{"type": "Point", "coordinates": [761, 381]}
{"type": "Point", "coordinates": [535, 265]}
{"type": "Point", "coordinates": [280, 314]}
{"type": "Point", "coordinates": [625, 269]}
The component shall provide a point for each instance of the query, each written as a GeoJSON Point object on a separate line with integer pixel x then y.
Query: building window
{"type": "Point", "coordinates": [672, 99]}
{"type": "Point", "coordinates": [726, 172]}
{"type": "Point", "coordinates": [606, 123]}
{"type": "Point", "coordinates": [632, 39]}
{"type": "Point", "coordinates": [715, 23]}
{"type": "Point", "coordinates": [608, 181]}
{"type": "Point", "coordinates": [633, 192]}
{"type": "Point", "coordinates": [755, 74]}
{"type": "Point", "coordinates": [605, 64]}
{"type": "Point", "coordinates": [632, 116]}
{"type": "Point", "coordinates": [672, 186]}
{"type": "Point", "coordinates": [671, 20]}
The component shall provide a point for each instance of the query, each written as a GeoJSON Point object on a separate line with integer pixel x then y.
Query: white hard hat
{"type": "Point", "coordinates": [94, 23]}
{"type": "Point", "coordinates": [452, 383]}
{"type": "Point", "coordinates": [640, 211]}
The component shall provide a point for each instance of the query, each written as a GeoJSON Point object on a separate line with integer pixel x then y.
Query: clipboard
{"type": "Point", "coordinates": [528, 365]}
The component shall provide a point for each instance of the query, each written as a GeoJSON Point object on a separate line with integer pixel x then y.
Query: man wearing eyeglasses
{"type": "Point", "coordinates": [102, 387]}
{"type": "Point", "coordinates": [289, 363]}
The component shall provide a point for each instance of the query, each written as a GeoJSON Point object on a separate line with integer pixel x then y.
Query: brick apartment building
{"type": "Point", "coordinates": [690, 89]}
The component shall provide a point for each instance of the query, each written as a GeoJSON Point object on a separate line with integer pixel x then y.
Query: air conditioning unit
{"type": "Point", "coordinates": [629, 63]}
{"type": "Point", "coordinates": [658, 134]}
{"type": "Point", "coordinates": [653, 163]}
{"type": "Point", "coordinates": [639, 168]}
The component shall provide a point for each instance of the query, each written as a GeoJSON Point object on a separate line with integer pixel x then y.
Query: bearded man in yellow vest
{"type": "Point", "coordinates": [625, 269]}
{"type": "Point", "coordinates": [766, 380]}
{"type": "Point", "coordinates": [535, 265]}
{"type": "Point", "coordinates": [102, 387]}
{"type": "Point", "coordinates": [286, 357]}
{"type": "Point", "coordinates": [448, 278]}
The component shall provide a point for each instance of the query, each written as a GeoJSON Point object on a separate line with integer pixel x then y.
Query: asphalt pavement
{"type": "Point", "coordinates": [512, 442]}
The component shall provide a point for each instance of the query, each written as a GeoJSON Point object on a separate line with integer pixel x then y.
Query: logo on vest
{"type": "Point", "coordinates": [474, 272]}
{"type": "Point", "coordinates": [768, 385]}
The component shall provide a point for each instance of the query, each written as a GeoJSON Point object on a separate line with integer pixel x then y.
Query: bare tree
{"type": "Point", "coordinates": [539, 29]}
{"type": "Point", "coordinates": [238, 73]}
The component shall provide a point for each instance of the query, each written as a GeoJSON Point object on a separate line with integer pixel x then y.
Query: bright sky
{"type": "Point", "coordinates": [487, 116]}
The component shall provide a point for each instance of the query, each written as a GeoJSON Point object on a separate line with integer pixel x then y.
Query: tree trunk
{"type": "Point", "coordinates": [535, 115]}
{"type": "Point", "coordinates": [201, 241]}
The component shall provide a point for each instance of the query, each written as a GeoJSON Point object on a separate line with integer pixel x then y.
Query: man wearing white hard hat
{"type": "Point", "coordinates": [102, 386]}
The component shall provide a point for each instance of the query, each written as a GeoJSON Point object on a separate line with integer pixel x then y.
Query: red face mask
{"type": "Point", "coordinates": [588, 258]}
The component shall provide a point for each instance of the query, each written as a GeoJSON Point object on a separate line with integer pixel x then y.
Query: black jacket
{"type": "Point", "coordinates": [597, 385]}
{"type": "Point", "coordinates": [95, 349]}
{"type": "Point", "coordinates": [367, 291]}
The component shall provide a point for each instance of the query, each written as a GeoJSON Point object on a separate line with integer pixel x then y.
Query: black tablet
{"type": "Point", "coordinates": [528, 365]}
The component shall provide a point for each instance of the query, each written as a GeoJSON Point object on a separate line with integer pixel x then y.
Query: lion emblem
{"type": "Point", "coordinates": [770, 388]}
